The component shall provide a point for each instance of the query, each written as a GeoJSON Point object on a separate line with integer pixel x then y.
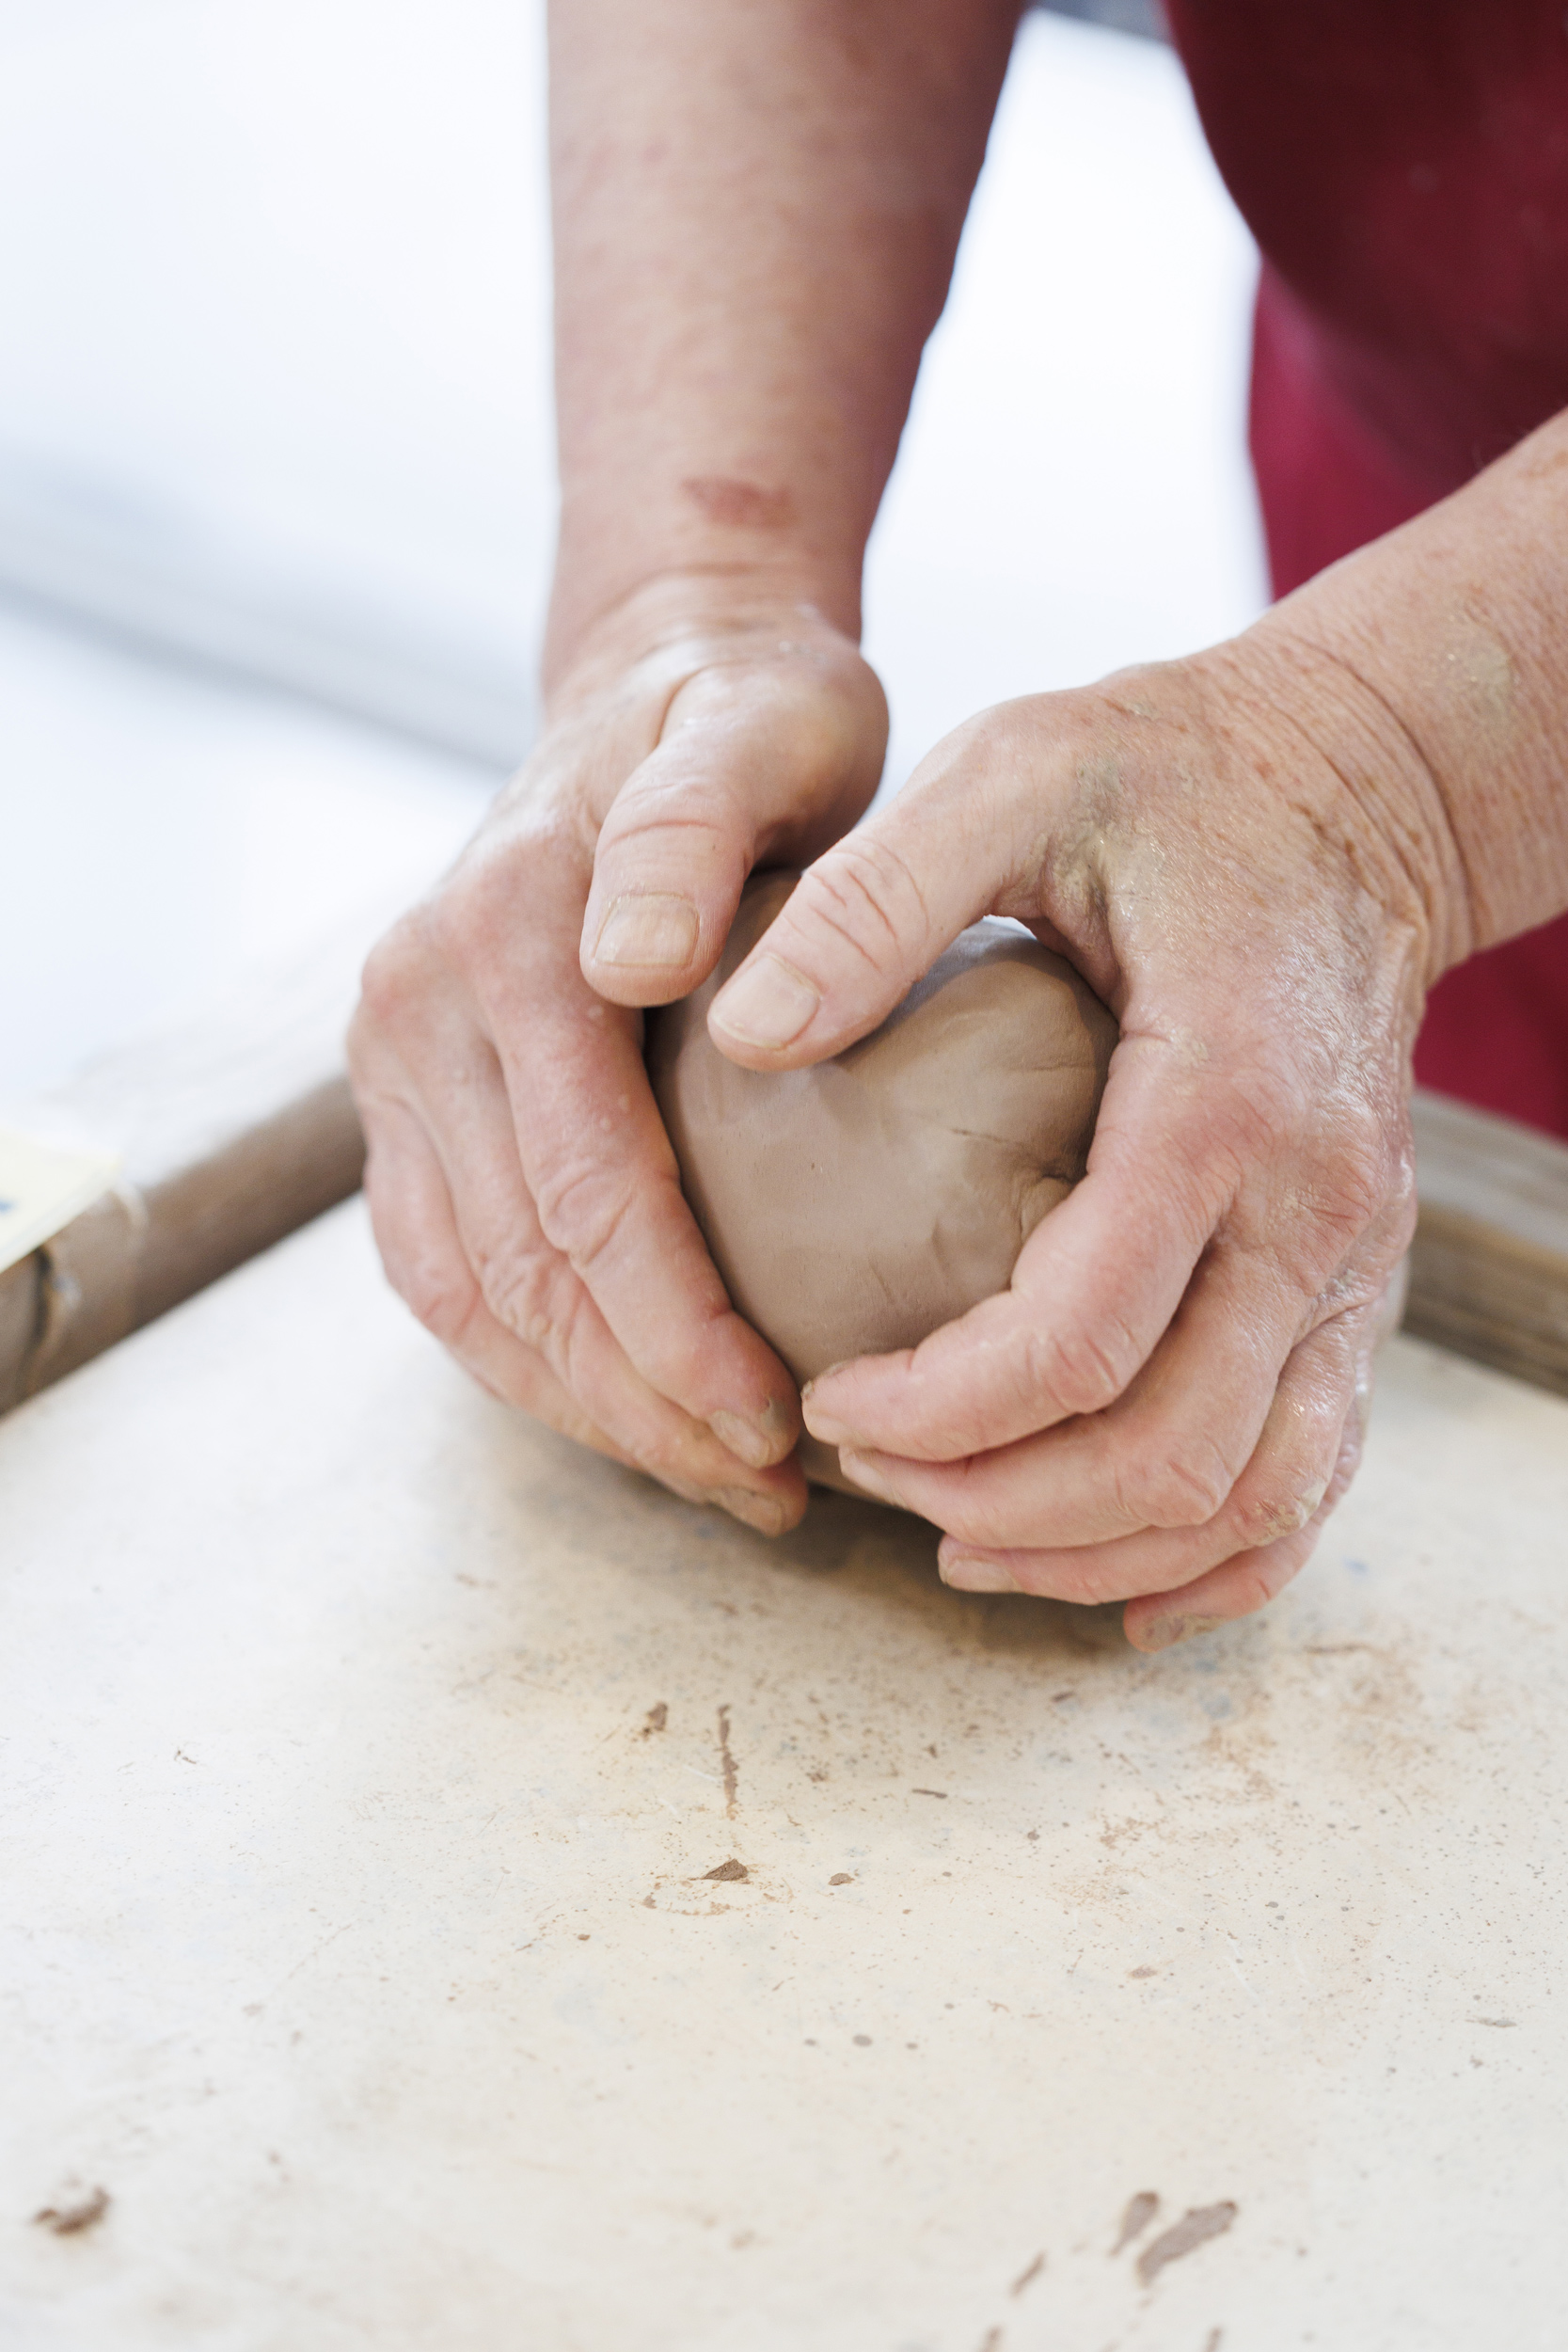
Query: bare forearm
{"type": "Point", "coordinates": [756, 210]}
{"type": "Point", "coordinates": [1453, 636]}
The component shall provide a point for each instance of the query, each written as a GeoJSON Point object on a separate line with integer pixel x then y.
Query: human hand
{"type": "Point", "coordinates": [524, 1196]}
{"type": "Point", "coordinates": [1170, 1398]}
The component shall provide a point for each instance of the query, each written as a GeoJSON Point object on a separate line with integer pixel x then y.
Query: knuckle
{"type": "Point", "coordinates": [1272, 1106]}
{"type": "Point", "coordinates": [478, 914]}
{"type": "Point", "coordinates": [1358, 1181]}
{"type": "Point", "coordinates": [1274, 1508]}
{"type": "Point", "coordinates": [437, 1288]}
{"type": "Point", "coordinates": [476, 904]}
{"type": "Point", "coordinates": [1181, 1486]}
{"type": "Point", "coordinates": [1264, 1576]}
{"type": "Point", "coordinates": [1098, 1577]}
{"type": "Point", "coordinates": [986, 740]}
{"type": "Point", "coordinates": [581, 1207]}
{"type": "Point", "coordinates": [978, 1517]}
{"type": "Point", "coordinates": [1079, 1370]}
{"type": "Point", "coordinates": [1252, 1590]}
{"type": "Point", "coordinates": [1362, 1187]}
{"type": "Point", "coordinates": [865, 896]}
{"type": "Point", "coordinates": [693, 779]}
{"type": "Point", "coordinates": [397, 973]}
{"type": "Point", "coordinates": [519, 1286]}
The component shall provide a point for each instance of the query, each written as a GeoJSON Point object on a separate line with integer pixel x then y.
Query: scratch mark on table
{"type": "Point", "coordinates": [727, 1757]}
{"type": "Point", "coordinates": [1027, 2278]}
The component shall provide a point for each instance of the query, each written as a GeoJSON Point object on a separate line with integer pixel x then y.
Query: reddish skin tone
{"type": "Point", "coordinates": [1261, 857]}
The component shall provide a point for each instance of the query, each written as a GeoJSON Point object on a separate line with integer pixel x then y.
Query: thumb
{"type": "Point", "coordinates": [749, 763]}
{"type": "Point", "coordinates": [868, 920]}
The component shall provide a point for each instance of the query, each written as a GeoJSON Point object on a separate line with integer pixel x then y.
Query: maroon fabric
{"type": "Point", "coordinates": [1403, 164]}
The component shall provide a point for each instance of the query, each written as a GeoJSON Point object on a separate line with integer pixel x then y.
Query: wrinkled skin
{"type": "Point", "coordinates": [1261, 856]}
{"type": "Point", "coordinates": [525, 1200]}
{"type": "Point", "coordinates": [1183, 1416]}
{"type": "Point", "coordinates": [1170, 1398]}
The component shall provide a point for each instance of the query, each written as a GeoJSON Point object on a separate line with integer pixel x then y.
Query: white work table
{"type": "Point", "coordinates": [371, 1765]}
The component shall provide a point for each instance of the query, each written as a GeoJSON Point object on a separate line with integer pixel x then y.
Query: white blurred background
{"type": "Point", "coordinates": [276, 501]}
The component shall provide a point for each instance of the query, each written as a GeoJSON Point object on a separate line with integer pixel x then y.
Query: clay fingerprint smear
{"type": "Point", "coordinates": [1196, 2228]}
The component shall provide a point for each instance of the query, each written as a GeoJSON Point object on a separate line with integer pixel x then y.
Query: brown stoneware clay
{"type": "Point", "coordinates": [853, 1207]}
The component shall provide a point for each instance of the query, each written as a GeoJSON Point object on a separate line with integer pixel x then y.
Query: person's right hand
{"type": "Point", "coordinates": [524, 1195]}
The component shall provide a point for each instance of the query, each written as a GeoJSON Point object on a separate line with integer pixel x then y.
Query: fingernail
{"type": "Point", "coordinates": [743, 1439]}
{"type": "Point", "coordinates": [652, 927]}
{"type": "Point", "coordinates": [855, 1466]}
{"type": "Point", "coordinates": [823, 1425]}
{"type": "Point", "coordinates": [762, 1512]}
{"type": "Point", "coordinates": [969, 1575]}
{"type": "Point", "coordinates": [1164, 1632]}
{"type": "Point", "coordinates": [768, 1004]}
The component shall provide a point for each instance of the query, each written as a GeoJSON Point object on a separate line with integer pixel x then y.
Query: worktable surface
{"type": "Point", "coordinates": [372, 1765]}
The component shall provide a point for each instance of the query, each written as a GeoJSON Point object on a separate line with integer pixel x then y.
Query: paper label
{"type": "Point", "coordinates": [43, 1187]}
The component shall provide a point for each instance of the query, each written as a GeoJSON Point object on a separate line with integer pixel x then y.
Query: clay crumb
{"type": "Point", "coordinates": [929, 1792]}
{"type": "Point", "coordinates": [655, 1720]}
{"type": "Point", "coordinates": [1492, 2021]}
{"type": "Point", "coordinates": [1027, 2278]}
{"type": "Point", "coordinates": [1140, 2212]}
{"type": "Point", "coordinates": [76, 2210]}
{"type": "Point", "coordinates": [729, 1871]}
{"type": "Point", "coordinates": [1198, 2225]}
{"type": "Point", "coordinates": [841, 1878]}
{"type": "Point", "coordinates": [1143, 1972]}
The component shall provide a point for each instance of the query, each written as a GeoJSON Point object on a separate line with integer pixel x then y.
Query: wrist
{"type": "Point", "coordinates": [1364, 777]}
{"type": "Point", "coordinates": [691, 608]}
{"type": "Point", "coordinates": [1455, 628]}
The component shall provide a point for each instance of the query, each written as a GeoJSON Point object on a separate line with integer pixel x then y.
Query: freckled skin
{"type": "Point", "coordinates": [1260, 857]}
{"type": "Point", "coordinates": [743, 505]}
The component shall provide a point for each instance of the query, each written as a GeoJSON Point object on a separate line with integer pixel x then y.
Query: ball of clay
{"type": "Point", "coordinates": [853, 1207]}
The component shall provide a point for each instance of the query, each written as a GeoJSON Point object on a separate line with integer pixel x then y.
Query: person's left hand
{"type": "Point", "coordinates": [1241, 856]}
